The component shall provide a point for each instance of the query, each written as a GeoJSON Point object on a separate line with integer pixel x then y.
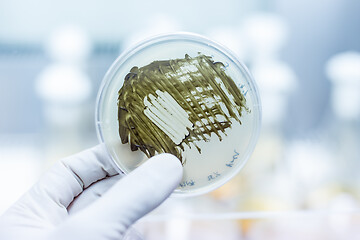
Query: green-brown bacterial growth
{"type": "Point", "coordinates": [168, 104]}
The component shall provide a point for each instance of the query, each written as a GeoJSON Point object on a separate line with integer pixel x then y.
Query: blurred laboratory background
{"type": "Point", "coordinates": [302, 181]}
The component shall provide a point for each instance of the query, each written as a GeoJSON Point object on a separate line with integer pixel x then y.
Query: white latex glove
{"type": "Point", "coordinates": [83, 197]}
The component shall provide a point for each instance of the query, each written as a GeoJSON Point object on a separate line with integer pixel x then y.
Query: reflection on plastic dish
{"type": "Point", "coordinates": [183, 94]}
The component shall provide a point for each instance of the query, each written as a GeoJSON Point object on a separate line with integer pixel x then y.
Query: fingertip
{"type": "Point", "coordinates": [168, 163]}
{"type": "Point", "coordinates": [169, 159]}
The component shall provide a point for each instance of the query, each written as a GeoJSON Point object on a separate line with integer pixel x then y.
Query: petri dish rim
{"type": "Point", "coordinates": [199, 39]}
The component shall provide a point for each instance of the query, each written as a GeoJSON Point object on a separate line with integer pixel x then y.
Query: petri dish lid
{"type": "Point", "coordinates": [186, 95]}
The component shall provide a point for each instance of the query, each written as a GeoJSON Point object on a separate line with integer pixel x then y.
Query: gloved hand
{"type": "Point", "coordinates": [83, 197]}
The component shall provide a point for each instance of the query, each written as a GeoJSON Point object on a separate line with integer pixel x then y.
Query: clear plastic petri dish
{"type": "Point", "coordinates": [183, 94]}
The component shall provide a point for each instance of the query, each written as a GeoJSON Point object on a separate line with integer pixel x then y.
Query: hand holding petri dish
{"type": "Point", "coordinates": [182, 94]}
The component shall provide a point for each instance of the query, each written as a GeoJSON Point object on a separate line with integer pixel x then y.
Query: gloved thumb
{"type": "Point", "coordinates": [128, 200]}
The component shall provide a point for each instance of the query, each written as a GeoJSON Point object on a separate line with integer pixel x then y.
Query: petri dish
{"type": "Point", "coordinates": [184, 94]}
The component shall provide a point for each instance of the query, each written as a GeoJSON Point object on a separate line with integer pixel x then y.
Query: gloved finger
{"type": "Point", "coordinates": [50, 197]}
{"type": "Point", "coordinates": [92, 193]}
{"type": "Point", "coordinates": [128, 200]}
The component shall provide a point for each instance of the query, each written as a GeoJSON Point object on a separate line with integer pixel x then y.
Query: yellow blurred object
{"type": "Point", "coordinates": [259, 204]}
{"type": "Point", "coordinates": [264, 203]}
{"type": "Point", "coordinates": [245, 225]}
{"type": "Point", "coordinates": [319, 196]}
{"type": "Point", "coordinates": [230, 190]}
